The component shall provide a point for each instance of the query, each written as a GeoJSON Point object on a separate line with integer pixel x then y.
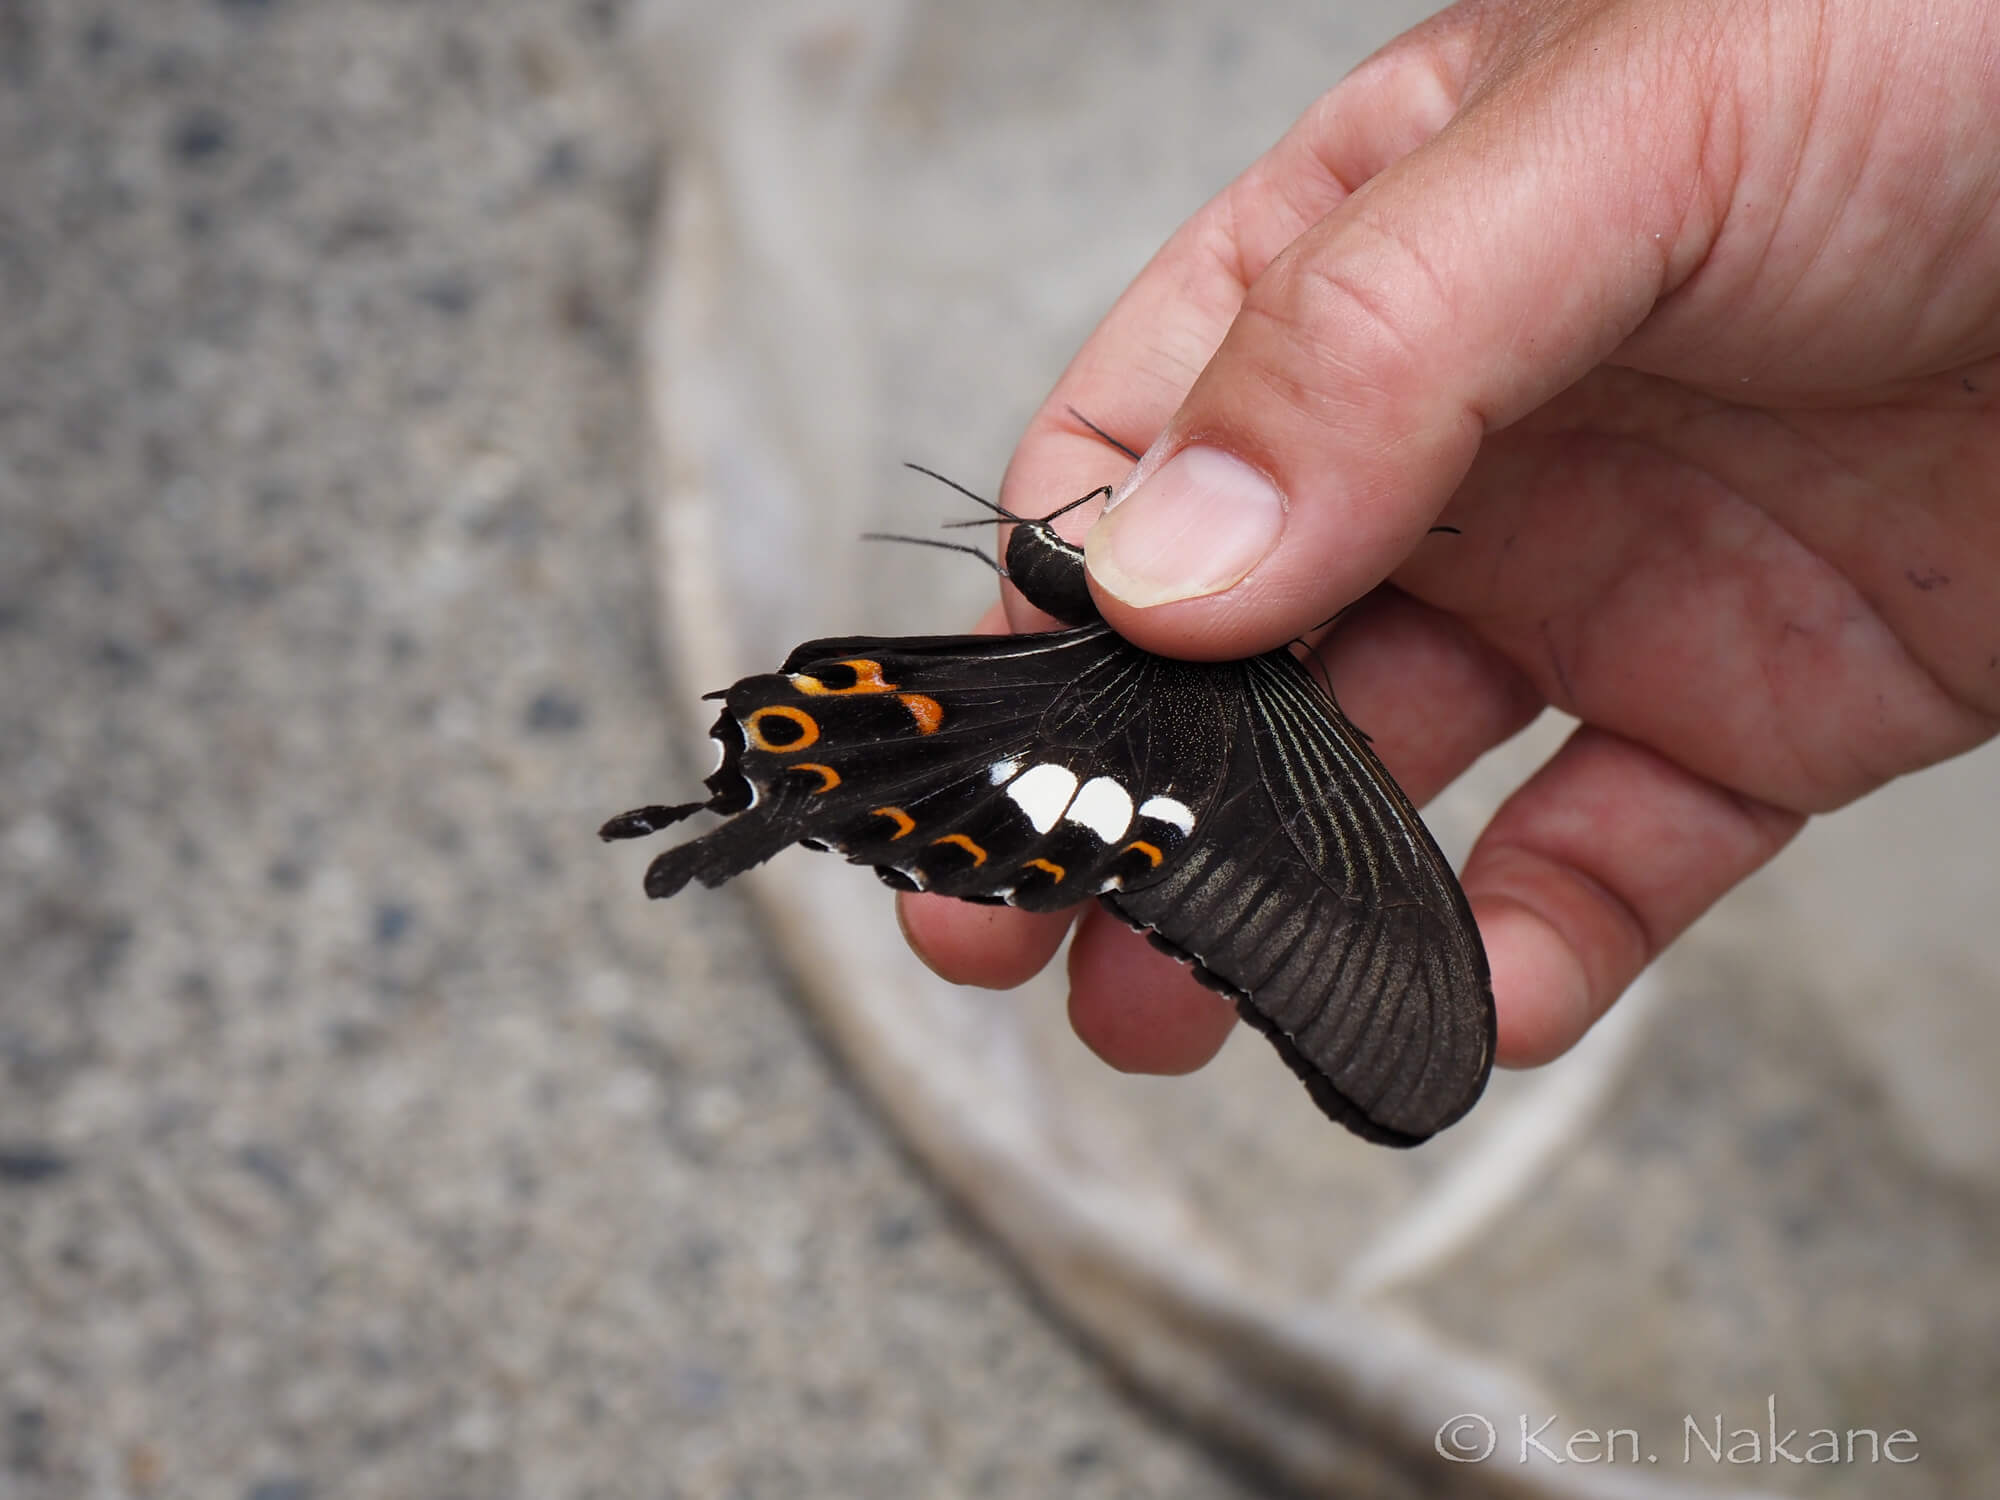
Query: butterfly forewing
{"type": "Point", "coordinates": [1315, 894]}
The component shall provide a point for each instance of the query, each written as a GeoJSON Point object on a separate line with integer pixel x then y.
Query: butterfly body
{"type": "Point", "coordinates": [1228, 809]}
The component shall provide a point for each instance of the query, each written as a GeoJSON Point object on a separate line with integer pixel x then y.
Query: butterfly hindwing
{"type": "Point", "coordinates": [985, 767]}
{"type": "Point", "coordinates": [1098, 796]}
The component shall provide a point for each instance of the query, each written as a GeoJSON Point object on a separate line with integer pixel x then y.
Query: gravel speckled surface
{"type": "Point", "coordinates": [363, 1132]}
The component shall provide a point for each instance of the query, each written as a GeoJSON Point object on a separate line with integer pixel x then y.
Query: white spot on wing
{"type": "Point", "coordinates": [1104, 807]}
{"type": "Point", "coordinates": [1043, 792]}
{"type": "Point", "coordinates": [1168, 810]}
{"type": "Point", "coordinates": [721, 753]}
{"type": "Point", "coordinates": [1002, 770]}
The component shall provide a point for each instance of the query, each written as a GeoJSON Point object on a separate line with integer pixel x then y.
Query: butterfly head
{"type": "Point", "coordinates": [1049, 571]}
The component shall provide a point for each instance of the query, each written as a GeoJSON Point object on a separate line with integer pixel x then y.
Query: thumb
{"type": "Point", "coordinates": [1452, 293]}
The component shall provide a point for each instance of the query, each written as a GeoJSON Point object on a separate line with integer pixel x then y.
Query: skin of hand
{"type": "Point", "coordinates": [1686, 314]}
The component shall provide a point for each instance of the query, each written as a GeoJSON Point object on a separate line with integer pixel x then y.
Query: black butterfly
{"type": "Point", "coordinates": [1226, 809]}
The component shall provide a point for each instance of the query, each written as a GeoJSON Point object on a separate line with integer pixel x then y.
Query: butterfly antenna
{"type": "Point", "coordinates": [998, 510]}
{"type": "Point", "coordinates": [1107, 437]}
{"type": "Point", "coordinates": [929, 541]}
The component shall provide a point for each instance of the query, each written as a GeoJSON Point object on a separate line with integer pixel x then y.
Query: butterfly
{"type": "Point", "coordinates": [1228, 810]}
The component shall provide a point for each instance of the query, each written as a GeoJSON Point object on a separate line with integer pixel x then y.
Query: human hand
{"type": "Point", "coordinates": [1687, 316]}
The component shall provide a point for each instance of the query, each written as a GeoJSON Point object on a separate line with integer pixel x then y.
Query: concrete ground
{"type": "Point", "coordinates": [351, 1143]}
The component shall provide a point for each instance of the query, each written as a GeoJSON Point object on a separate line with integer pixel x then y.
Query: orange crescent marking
{"type": "Point", "coordinates": [808, 730]}
{"type": "Point", "coordinates": [978, 854]}
{"type": "Point", "coordinates": [1042, 864]}
{"type": "Point", "coordinates": [867, 679]}
{"type": "Point", "coordinates": [829, 778]}
{"type": "Point", "coordinates": [926, 711]}
{"type": "Point", "coordinates": [904, 822]}
{"type": "Point", "coordinates": [1146, 849]}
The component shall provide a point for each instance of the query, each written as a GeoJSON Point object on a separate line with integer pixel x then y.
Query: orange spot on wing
{"type": "Point", "coordinates": [978, 854]}
{"type": "Point", "coordinates": [1146, 849]}
{"type": "Point", "coordinates": [867, 679]}
{"type": "Point", "coordinates": [928, 712]}
{"type": "Point", "coordinates": [1042, 864]}
{"type": "Point", "coordinates": [808, 729]}
{"type": "Point", "coordinates": [829, 778]}
{"type": "Point", "coordinates": [903, 821]}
